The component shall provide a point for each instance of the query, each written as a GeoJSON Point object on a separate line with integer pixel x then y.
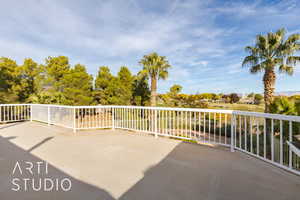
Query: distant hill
{"type": "Point", "coordinates": [287, 93]}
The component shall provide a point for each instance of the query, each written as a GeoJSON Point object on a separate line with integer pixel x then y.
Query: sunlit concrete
{"type": "Point", "coordinates": [107, 164]}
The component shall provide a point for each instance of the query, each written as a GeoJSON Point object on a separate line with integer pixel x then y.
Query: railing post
{"type": "Point", "coordinates": [232, 132]}
{"type": "Point", "coordinates": [290, 140]}
{"type": "Point", "coordinates": [113, 118]}
{"type": "Point", "coordinates": [49, 116]}
{"type": "Point", "coordinates": [1, 114]}
{"type": "Point", "coordinates": [155, 123]}
{"type": "Point", "coordinates": [74, 120]}
{"type": "Point", "coordinates": [31, 113]}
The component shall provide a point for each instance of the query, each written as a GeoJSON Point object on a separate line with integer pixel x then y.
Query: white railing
{"type": "Point", "coordinates": [14, 112]}
{"type": "Point", "coordinates": [189, 124]}
{"type": "Point", "coordinates": [265, 136]}
{"type": "Point", "coordinates": [93, 117]}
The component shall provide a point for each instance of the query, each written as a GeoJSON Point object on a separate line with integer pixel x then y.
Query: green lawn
{"type": "Point", "coordinates": [235, 106]}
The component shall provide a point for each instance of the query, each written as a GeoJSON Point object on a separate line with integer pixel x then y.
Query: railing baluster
{"type": "Point", "coordinates": [251, 135]}
{"type": "Point", "coordinates": [186, 124]}
{"type": "Point", "coordinates": [235, 130]}
{"type": "Point", "coordinates": [257, 137]}
{"type": "Point", "coordinates": [290, 140]}
{"type": "Point", "coordinates": [240, 132]}
{"type": "Point", "coordinates": [281, 144]}
{"type": "Point", "coordinates": [190, 124]}
{"type": "Point", "coordinates": [220, 127]}
{"type": "Point", "coordinates": [204, 122]}
{"type": "Point", "coordinates": [226, 126]}
{"type": "Point", "coordinates": [245, 132]}
{"type": "Point", "coordinates": [209, 127]}
{"type": "Point", "coordinates": [199, 132]}
{"type": "Point", "coordinates": [232, 124]}
{"type": "Point", "coordinates": [214, 127]}
{"type": "Point", "coordinates": [265, 137]}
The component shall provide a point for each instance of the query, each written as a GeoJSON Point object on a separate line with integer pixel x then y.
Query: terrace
{"type": "Point", "coordinates": [115, 152]}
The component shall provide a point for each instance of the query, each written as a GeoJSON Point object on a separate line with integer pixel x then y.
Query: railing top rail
{"type": "Point", "coordinates": [236, 112]}
{"type": "Point", "coordinates": [177, 109]}
{"type": "Point", "coordinates": [53, 105]}
{"type": "Point", "coordinates": [268, 115]}
{"type": "Point", "coordinates": [23, 104]}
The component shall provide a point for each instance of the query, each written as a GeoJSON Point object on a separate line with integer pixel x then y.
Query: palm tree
{"type": "Point", "coordinates": [272, 51]}
{"type": "Point", "coordinates": [284, 106]}
{"type": "Point", "coordinates": [155, 67]}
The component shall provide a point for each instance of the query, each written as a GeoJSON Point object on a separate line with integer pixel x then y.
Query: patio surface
{"type": "Point", "coordinates": [116, 164]}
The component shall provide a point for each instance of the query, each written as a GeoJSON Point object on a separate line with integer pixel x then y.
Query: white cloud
{"type": "Point", "coordinates": [190, 33]}
{"type": "Point", "coordinates": [202, 63]}
{"type": "Point", "coordinates": [235, 68]}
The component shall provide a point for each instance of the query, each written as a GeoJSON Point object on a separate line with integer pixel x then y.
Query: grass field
{"type": "Point", "coordinates": [235, 106]}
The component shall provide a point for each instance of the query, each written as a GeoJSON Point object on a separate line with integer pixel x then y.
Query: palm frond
{"type": "Point", "coordinates": [275, 41]}
{"type": "Point", "coordinates": [278, 61]}
{"type": "Point", "coordinates": [281, 32]}
{"type": "Point", "coordinates": [286, 69]}
{"type": "Point", "coordinates": [291, 45]}
{"type": "Point", "coordinates": [261, 42]}
{"type": "Point", "coordinates": [250, 61]}
{"type": "Point", "coordinates": [163, 75]}
{"type": "Point", "coordinates": [142, 73]}
{"type": "Point", "coordinates": [293, 38]}
{"type": "Point", "coordinates": [293, 60]}
{"type": "Point", "coordinates": [256, 69]}
{"type": "Point", "coordinates": [155, 65]}
{"type": "Point", "coordinates": [251, 50]}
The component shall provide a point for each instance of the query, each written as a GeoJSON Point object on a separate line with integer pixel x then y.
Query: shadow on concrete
{"type": "Point", "coordinates": [10, 154]}
{"type": "Point", "coordinates": [196, 172]}
{"type": "Point", "coordinates": [11, 137]}
{"type": "Point", "coordinates": [40, 143]}
{"type": "Point", "coordinates": [190, 171]}
{"type": "Point", "coordinates": [10, 125]}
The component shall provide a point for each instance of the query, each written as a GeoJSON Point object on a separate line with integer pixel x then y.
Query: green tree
{"type": "Point", "coordinates": [8, 80]}
{"type": "Point", "coordinates": [125, 79]}
{"type": "Point", "coordinates": [190, 101]}
{"type": "Point", "coordinates": [109, 90]}
{"type": "Point", "coordinates": [77, 86]}
{"type": "Point", "coordinates": [297, 107]}
{"type": "Point", "coordinates": [258, 98]}
{"type": "Point", "coordinates": [28, 80]}
{"type": "Point", "coordinates": [56, 68]}
{"type": "Point", "coordinates": [102, 82]}
{"type": "Point", "coordinates": [251, 95]}
{"type": "Point", "coordinates": [175, 89]}
{"type": "Point", "coordinates": [208, 96]}
{"type": "Point", "coordinates": [282, 105]}
{"type": "Point", "coordinates": [234, 98]}
{"type": "Point", "coordinates": [271, 51]}
{"type": "Point", "coordinates": [217, 97]}
{"type": "Point", "coordinates": [285, 106]}
{"type": "Point", "coordinates": [48, 97]}
{"type": "Point", "coordinates": [140, 90]}
{"type": "Point", "coordinates": [103, 78]}
{"type": "Point", "coordinates": [172, 98]}
{"type": "Point", "coordinates": [155, 67]}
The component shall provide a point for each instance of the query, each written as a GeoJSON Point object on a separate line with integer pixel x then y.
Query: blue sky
{"type": "Point", "coordinates": [203, 40]}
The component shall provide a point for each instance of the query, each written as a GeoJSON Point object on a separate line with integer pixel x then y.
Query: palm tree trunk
{"type": "Point", "coordinates": [269, 83]}
{"type": "Point", "coordinates": [153, 91]}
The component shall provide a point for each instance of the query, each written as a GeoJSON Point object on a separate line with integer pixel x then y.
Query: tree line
{"type": "Point", "coordinates": [57, 82]}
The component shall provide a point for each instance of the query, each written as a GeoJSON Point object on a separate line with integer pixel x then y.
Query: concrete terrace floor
{"type": "Point", "coordinates": [107, 164]}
